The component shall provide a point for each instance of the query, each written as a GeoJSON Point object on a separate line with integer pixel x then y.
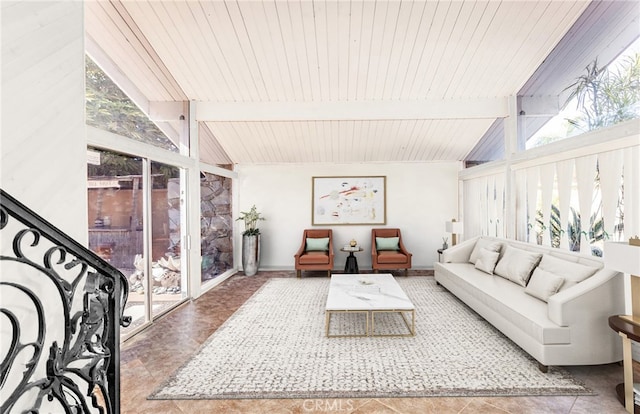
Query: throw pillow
{"type": "Point", "coordinates": [317, 244]}
{"type": "Point", "coordinates": [573, 273]}
{"type": "Point", "coordinates": [481, 243]}
{"type": "Point", "coordinates": [517, 265]}
{"type": "Point", "coordinates": [387, 243]}
{"type": "Point", "coordinates": [487, 260]}
{"type": "Point", "coordinates": [543, 284]}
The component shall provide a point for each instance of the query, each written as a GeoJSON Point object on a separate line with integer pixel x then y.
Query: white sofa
{"type": "Point", "coordinates": [569, 327]}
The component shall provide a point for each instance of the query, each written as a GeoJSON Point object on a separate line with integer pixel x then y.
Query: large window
{"type": "Point", "coordinates": [216, 225]}
{"type": "Point", "coordinates": [599, 98]}
{"type": "Point", "coordinates": [108, 108]}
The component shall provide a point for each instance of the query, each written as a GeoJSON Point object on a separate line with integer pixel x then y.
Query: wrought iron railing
{"type": "Point", "coordinates": [60, 314]}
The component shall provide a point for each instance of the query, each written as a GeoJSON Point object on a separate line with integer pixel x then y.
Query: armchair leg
{"type": "Point", "coordinates": [328, 273]}
{"type": "Point", "coordinates": [298, 273]}
{"type": "Point", "coordinates": [406, 272]}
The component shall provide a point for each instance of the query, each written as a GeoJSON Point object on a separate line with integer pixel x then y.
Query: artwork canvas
{"type": "Point", "coordinates": [348, 200]}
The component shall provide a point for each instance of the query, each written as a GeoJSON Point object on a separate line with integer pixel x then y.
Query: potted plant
{"type": "Point", "coordinates": [250, 241]}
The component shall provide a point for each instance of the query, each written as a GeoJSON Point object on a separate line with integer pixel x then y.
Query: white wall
{"type": "Point", "coordinates": [420, 198]}
{"type": "Point", "coordinates": [43, 143]}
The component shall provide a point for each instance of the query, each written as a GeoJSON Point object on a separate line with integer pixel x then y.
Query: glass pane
{"type": "Point", "coordinates": [216, 225]}
{"type": "Point", "coordinates": [599, 98]}
{"type": "Point", "coordinates": [108, 108]}
{"type": "Point", "coordinates": [114, 189]}
{"type": "Point", "coordinates": [169, 283]}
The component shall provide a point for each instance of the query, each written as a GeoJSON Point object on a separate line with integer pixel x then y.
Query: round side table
{"type": "Point", "coordinates": [351, 266]}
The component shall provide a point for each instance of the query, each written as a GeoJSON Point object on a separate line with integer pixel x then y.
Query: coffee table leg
{"type": "Point", "coordinates": [411, 327]}
{"type": "Point", "coordinates": [327, 322]}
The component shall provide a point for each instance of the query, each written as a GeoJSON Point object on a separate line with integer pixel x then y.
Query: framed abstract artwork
{"type": "Point", "coordinates": [348, 200]}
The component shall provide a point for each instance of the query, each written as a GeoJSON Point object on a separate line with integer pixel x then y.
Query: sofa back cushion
{"type": "Point", "coordinates": [543, 284]}
{"type": "Point", "coordinates": [483, 243]}
{"type": "Point", "coordinates": [572, 272]}
{"type": "Point", "coordinates": [517, 265]}
{"type": "Point", "coordinates": [487, 260]}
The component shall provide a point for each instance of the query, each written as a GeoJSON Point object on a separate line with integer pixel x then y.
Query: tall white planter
{"type": "Point", "coordinates": [250, 254]}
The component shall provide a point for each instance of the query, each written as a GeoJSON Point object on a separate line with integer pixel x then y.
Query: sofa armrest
{"type": "Point", "coordinates": [459, 253]}
{"type": "Point", "coordinates": [602, 294]}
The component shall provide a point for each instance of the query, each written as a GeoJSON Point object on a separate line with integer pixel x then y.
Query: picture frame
{"type": "Point", "coordinates": [349, 200]}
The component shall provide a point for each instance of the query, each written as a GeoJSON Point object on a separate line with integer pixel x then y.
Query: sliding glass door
{"type": "Point", "coordinates": [135, 213]}
{"type": "Point", "coordinates": [168, 281]}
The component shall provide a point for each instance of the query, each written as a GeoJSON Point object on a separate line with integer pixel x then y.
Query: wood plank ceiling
{"type": "Point", "coordinates": [330, 81]}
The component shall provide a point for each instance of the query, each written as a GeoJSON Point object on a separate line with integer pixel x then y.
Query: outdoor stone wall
{"type": "Point", "coordinates": [216, 225]}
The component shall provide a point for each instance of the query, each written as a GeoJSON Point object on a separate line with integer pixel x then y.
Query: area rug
{"type": "Point", "coordinates": [275, 346]}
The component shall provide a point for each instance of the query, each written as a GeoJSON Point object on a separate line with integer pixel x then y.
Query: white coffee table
{"type": "Point", "coordinates": [368, 294]}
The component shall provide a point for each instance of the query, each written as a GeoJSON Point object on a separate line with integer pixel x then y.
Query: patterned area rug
{"type": "Point", "coordinates": [274, 346]}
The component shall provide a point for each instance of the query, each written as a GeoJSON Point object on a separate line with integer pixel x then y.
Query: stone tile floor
{"type": "Point", "coordinates": [151, 356]}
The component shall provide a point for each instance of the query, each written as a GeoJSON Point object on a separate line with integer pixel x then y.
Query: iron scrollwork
{"type": "Point", "coordinates": [62, 307]}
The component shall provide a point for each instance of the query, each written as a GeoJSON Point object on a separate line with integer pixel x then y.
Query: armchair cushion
{"type": "Point", "coordinates": [387, 243]}
{"type": "Point", "coordinates": [317, 244]}
{"type": "Point", "coordinates": [391, 256]}
{"type": "Point", "coordinates": [314, 258]}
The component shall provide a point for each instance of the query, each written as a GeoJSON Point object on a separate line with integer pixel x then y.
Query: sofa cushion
{"type": "Point", "coordinates": [571, 272]}
{"type": "Point", "coordinates": [543, 284]}
{"type": "Point", "coordinates": [496, 298]}
{"type": "Point", "coordinates": [517, 265]}
{"type": "Point", "coordinates": [487, 260]}
{"type": "Point", "coordinates": [481, 243]}
{"type": "Point", "coordinates": [387, 243]}
{"type": "Point", "coordinates": [391, 256]}
{"type": "Point", "coordinates": [317, 244]}
{"type": "Point", "coordinates": [314, 258]}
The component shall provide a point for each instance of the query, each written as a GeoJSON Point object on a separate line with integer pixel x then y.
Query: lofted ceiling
{"type": "Point", "coordinates": [328, 81]}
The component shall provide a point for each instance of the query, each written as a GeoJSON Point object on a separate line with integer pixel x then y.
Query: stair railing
{"type": "Point", "coordinates": [61, 308]}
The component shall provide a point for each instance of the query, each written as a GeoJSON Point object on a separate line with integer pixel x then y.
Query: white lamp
{"type": "Point", "coordinates": [454, 227]}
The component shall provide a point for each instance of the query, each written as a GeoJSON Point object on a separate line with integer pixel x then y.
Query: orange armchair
{"type": "Point", "coordinates": [315, 252]}
{"type": "Point", "coordinates": [388, 251]}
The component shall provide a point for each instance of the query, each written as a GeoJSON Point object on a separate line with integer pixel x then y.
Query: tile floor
{"type": "Point", "coordinates": [150, 357]}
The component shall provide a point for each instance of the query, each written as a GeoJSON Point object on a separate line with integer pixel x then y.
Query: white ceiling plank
{"type": "Point", "coordinates": [286, 78]}
{"type": "Point", "coordinates": [173, 43]}
{"type": "Point", "coordinates": [291, 111]}
{"type": "Point", "coordinates": [384, 56]}
{"type": "Point", "coordinates": [230, 50]}
{"type": "Point", "coordinates": [344, 42]}
{"type": "Point", "coordinates": [217, 68]}
{"type": "Point", "coordinates": [417, 50]}
{"type": "Point", "coordinates": [210, 77]}
{"type": "Point", "coordinates": [247, 49]}
{"type": "Point", "coordinates": [120, 44]}
{"type": "Point", "coordinates": [377, 36]}
{"type": "Point", "coordinates": [407, 26]}
{"type": "Point", "coordinates": [444, 43]}
{"type": "Point", "coordinates": [305, 41]}
{"type": "Point", "coordinates": [457, 47]}
{"type": "Point", "coordinates": [468, 64]}
{"type": "Point", "coordinates": [332, 40]}
{"type": "Point", "coordinates": [139, 40]}
{"type": "Point", "coordinates": [429, 50]}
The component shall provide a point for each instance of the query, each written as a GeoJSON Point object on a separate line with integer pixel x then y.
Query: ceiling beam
{"type": "Point", "coordinates": [352, 110]}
